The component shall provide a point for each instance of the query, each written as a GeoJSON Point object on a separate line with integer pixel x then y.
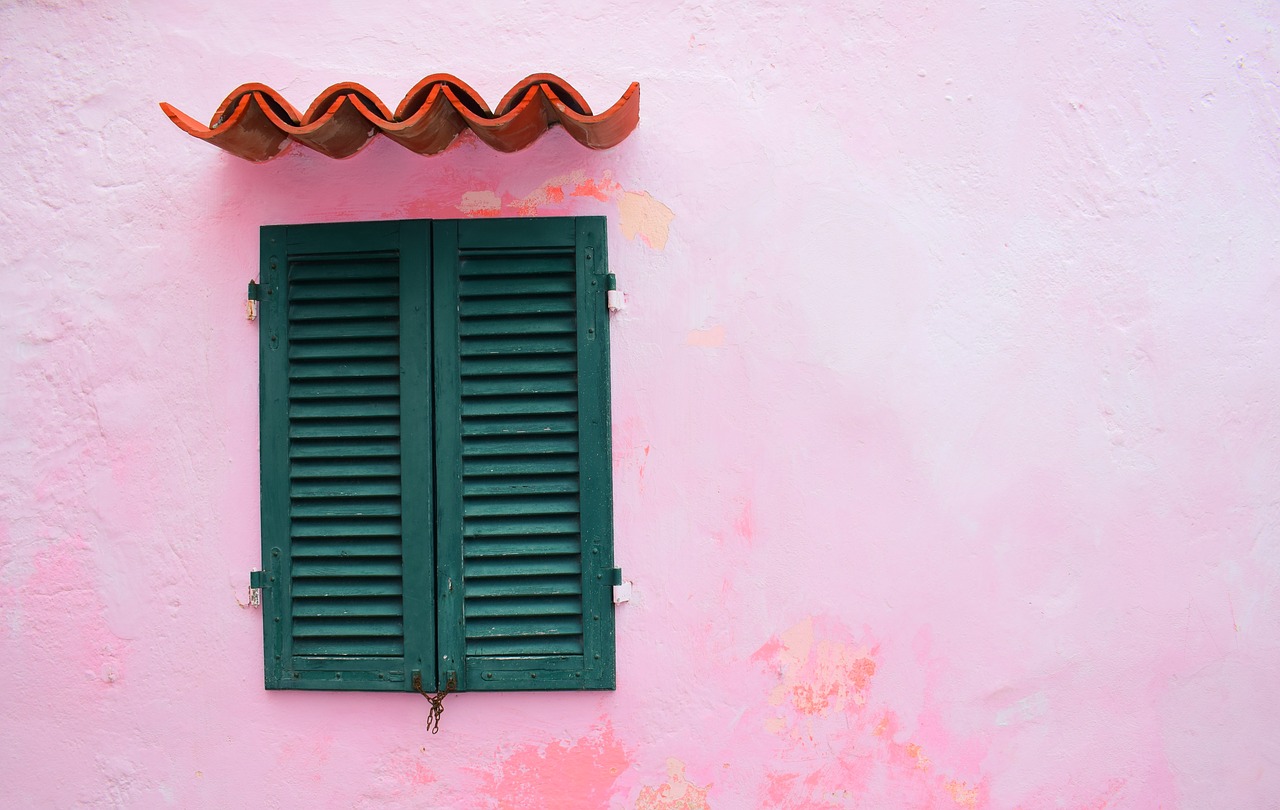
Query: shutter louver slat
{"type": "Point", "coordinates": [372, 546]}
{"type": "Point", "coordinates": [322, 588]}
{"type": "Point", "coordinates": [524, 586]}
{"type": "Point", "coordinates": [340, 306]}
{"type": "Point", "coordinates": [329, 467]}
{"type": "Point", "coordinates": [339, 350]}
{"type": "Point", "coordinates": [480, 346]}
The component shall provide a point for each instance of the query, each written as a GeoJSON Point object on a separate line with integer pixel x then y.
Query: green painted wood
{"type": "Point", "coordinates": [595, 441]}
{"type": "Point", "coordinates": [550, 544]}
{"type": "Point", "coordinates": [348, 245]}
{"type": "Point", "coordinates": [338, 321]}
{"type": "Point", "coordinates": [435, 433]}
{"type": "Point", "coordinates": [520, 333]}
{"type": "Point", "coordinates": [503, 237]}
{"type": "Point", "coordinates": [448, 452]}
{"type": "Point", "coordinates": [417, 461]}
{"type": "Point", "coordinates": [273, 393]}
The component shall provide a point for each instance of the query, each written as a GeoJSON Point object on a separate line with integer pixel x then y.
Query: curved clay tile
{"type": "Point", "coordinates": [255, 122]}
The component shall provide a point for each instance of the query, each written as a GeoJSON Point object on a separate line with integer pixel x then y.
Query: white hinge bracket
{"type": "Point", "coordinates": [621, 588]}
{"type": "Point", "coordinates": [614, 297]}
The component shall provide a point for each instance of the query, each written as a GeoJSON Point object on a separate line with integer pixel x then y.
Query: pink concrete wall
{"type": "Point", "coordinates": [945, 404]}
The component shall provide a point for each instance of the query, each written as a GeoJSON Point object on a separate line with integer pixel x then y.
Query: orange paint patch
{"type": "Point", "coordinates": [708, 338]}
{"type": "Point", "coordinates": [914, 752]}
{"type": "Point", "coordinates": [578, 774]}
{"type": "Point", "coordinates": [887, 726]}
{"type": "Point", "coordinates": [640, 215]}
{"type": "Point", "coordinates": [961, 793]}
{"type": "Point", "coordinates": [677, 794]}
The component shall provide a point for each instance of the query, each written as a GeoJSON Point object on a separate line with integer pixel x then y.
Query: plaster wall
{"type": "Point", "coordinates": [946, 458]}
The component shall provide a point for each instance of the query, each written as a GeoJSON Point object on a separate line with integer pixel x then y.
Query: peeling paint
{"type": "Point", "coordinates": [603, 189]}
{"type": "Point", "coordinates": [643, 216]}
{"type": "Point", "coordinates": [676, 794]}
{"type": "Point", "coordinates": [819, 675]}
{"type": "Point", "coordinates": [640, 216]}
{"type": "Point", "coordinates": [480, 204]}
{"type": "Point", "coordinates": [962, 794]}
{"type": "Point", "coordinates": [838, 740]}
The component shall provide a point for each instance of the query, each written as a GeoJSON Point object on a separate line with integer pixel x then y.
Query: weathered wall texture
{"type": "Point", "coordinates": [945, 403]}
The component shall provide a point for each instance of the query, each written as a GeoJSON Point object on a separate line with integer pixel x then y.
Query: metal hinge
{"type": "Point", "coordinates": [621, 588]}
{"type": "Point", "coordinates": [615, 299]}
{"type": "Point", "coordinates": [251, 300]}
{"type": "Point", "coordinates": [255, 588]}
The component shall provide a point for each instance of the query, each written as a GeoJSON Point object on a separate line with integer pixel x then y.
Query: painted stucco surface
{"type": "Point", "coordinates": [945, 404]}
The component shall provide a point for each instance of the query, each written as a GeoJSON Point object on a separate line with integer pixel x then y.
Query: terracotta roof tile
{"type": "Point", "coordinates": [255, 122]}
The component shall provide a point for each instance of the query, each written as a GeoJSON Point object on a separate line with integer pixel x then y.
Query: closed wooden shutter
{"type": "Point", "coordinates": [436, 481]}
{"type": "Point", "coordinates": [346, 456]}
{"type": "Point", "coordinates": [522, 452]}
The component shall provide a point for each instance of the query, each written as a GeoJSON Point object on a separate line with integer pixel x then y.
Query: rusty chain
{"type": "Point", "coordinates": [436, 700]}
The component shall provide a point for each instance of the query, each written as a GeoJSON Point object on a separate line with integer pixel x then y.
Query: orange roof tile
{"type": "Point", "coordinates": [255, 122]}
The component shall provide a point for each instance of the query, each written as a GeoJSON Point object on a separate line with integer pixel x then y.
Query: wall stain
{"type": "Point", "coordinates": [839, 748]}
{"type": "Point", "coordinates": [818, 676]}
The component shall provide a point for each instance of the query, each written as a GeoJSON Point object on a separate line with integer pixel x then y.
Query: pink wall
{"type": "Point", "coordinates": [944, 406]}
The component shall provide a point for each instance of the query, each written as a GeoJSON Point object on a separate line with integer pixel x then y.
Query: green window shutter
{"type": "Point", "coordinates": [524, 501]}
{"type": "Point", "coordinates": [346, 456]}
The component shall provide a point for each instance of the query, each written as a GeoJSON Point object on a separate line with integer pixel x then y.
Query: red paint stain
{"type": "Point", "coordinates": [569, 775]}
{"type": "Point", "coordinates": [602, 189]}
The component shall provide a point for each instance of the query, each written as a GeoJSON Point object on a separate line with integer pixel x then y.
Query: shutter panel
{"type": "Point", "coordinates": [346, 470]}
{"type": "Point", "coordinates": [524, 521]}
